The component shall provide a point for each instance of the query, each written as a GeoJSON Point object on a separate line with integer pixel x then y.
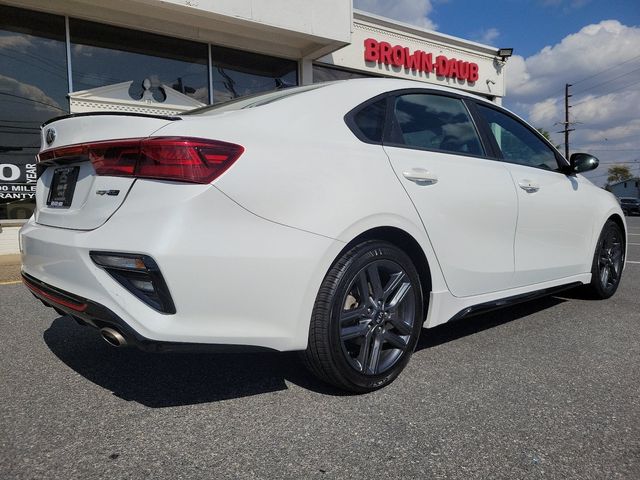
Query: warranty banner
{"type": "Point", "coordinates": [17, 182]}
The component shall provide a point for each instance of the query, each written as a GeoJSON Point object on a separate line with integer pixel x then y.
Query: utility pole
{"type": "Point", "coordinates": [566, 120]}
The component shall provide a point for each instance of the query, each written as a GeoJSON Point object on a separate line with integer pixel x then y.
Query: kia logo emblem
{"type": "Point", "coordinates": [50, 135]}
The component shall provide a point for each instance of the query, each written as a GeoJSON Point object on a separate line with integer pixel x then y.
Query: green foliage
{"type": "Point", "coordinates": [618, 173]}
{"type": "Point", "coordinates": [547, 135]}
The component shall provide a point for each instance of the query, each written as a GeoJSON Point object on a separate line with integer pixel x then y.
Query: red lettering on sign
{"type": "Point", "coordinates": [399, 56]}
{"type": "Point", "coordinates": [371, 52]}
{"type": "Point", "coordinates": [473, 72]}
{"type": "Point", "coordinates": [412, 62]}
{"type": "Point", "coordinates": [463, 70]}
{"type": "Point", "coordinates": [427, 62]}
{"type": "Point", "coordinates": [385, 53]}
{"type": "Point", "coordinates": [452, 65]}
{"type": "Point", "coordinates": [442, 66]}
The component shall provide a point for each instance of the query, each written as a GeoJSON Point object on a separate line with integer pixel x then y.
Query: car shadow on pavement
{"type": "Point", "coordinates": [170, 379]}
{"type": "Point", "coordinates": [160, 380]}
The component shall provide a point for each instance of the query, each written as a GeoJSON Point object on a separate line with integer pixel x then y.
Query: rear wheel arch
{"type": "Point", "coordinates": [408, 244]}
{"type": "Point", "coordinates": [616, 218]}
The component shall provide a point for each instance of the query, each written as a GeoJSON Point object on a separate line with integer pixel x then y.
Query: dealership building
{"type": "Point", "coordinates": [165, 57]}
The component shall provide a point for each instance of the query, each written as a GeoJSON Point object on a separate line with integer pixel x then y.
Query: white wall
{"type": "Point", "coordinates": [285, 28]}
{"type": "Point", "coordinates": [491, 81]}
{"type": "Point", "coordinates": [329, 19]}
{"type": "Point", "coordinates": [9, 240]}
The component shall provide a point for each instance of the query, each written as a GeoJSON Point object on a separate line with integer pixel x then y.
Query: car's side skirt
{"type": "Point", "coordinates": [444, 307]}
{"type": "Point", "coordinates": [509, 301]}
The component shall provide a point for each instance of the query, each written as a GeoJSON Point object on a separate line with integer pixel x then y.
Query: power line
{"type": "Point", "coordinates": [20, 128]}
{"type": "Point", "coordinates": [19, 121]}
{"type": "Point", "coordinates": [605, 94]}
{"type": "Point", "coordinates": [32, 100]}
{"type": "Point", "coordinates": [19, 133]}
{"type": "Point", "coordinates": [608, 149]}
{"type": "Point", "coordinates": [608, 81]}
{"type": "Point", "coordinates": [606, 70]}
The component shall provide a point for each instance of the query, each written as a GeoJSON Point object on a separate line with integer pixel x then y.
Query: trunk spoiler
{"type": "Point", "coordinates": [120, 114]}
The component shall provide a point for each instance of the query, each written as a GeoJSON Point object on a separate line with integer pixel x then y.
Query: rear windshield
{"type": "Point", "coordinates": [628, 200]}
{"type": "Point", "coordinates": [252, 101]}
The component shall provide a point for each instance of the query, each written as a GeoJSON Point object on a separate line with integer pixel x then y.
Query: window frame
{"type": "Point", "coordinates": [350, 119]}
{"type": "Point", "coordinates": [387, 140]}
{"type": "Point", "coordinates": [389, 136]}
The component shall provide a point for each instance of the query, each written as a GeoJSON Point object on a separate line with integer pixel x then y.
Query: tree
{"type": "Point", "coordinates": [618, 173]}
{"type": "Point", "coordinates": [547, 135]}
{"type": "Point", "coordinates": [544, 133]}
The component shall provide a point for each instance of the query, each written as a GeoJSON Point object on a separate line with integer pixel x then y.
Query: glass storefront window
{"type": "Point", "coordinates": [104, 55]}
{"type": "Point", "coordinates": [237, 73]}
{"type": "Point", "coordinates": [34, 83]}
{"type": "Point", "coordinates": [33, 88]}
{"type": "Point", "coordinates": [323, 73]}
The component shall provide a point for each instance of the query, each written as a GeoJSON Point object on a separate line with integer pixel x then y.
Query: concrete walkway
{"type": "Point", "coordinates": [9, 268]}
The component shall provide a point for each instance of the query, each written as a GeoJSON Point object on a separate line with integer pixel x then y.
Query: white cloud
{"type": "Point", "coordinates": [415, 12]}
{"type": "Point", "coordinates": [565, 5]}
{"type": "Point", "coordinates": [600, 61]}
{"type": "Point", "coordinates": [15, 42]}
{"type": "Point", "coordinates": [487, 36]}
{"type": "Point", "coordinates": [25, 91]}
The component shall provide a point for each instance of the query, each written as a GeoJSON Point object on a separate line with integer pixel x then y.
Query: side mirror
{"type": "Point", "coordinates": [583, 162]}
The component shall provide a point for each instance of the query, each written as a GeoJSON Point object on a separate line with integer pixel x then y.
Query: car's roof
{"type": "Point", "coordinates": [353, 91]}
{"type": "Point", "coordinates": [386, 84]}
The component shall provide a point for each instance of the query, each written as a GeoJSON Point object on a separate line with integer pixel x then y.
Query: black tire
{"type": "Point", "coordinates": [608, 262]}
{"type": "Point", "coordinates": [361, 342]}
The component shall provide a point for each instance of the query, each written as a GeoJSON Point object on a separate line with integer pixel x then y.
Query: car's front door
{"type": "Point", "coordinates": [466, 201]}
{"type": "Point", "coordinates": [554, 232]}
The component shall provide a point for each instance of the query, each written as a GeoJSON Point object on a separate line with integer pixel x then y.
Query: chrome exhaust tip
{"type": "Point", "coordinates": [113, 337]}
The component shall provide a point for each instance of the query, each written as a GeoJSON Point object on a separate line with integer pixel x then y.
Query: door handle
{"type": "Point", "coordinates": [529, 186]}
{"type": "Point", "coordinates": [421, 176]}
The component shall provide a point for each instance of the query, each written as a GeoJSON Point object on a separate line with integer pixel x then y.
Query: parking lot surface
{"type": "Point", "coordinates": [547, 389]}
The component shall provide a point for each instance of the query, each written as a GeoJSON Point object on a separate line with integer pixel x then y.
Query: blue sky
{"type": "Point", "coordinates": [592, 44]}
{"type": "Point", "coordinates": [527, 26]}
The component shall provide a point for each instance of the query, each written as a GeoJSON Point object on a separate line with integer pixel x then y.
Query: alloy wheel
{"type": "Point", "coordinates": [377, 317]}
{"type": "Point", "coordinates": [610, 259]}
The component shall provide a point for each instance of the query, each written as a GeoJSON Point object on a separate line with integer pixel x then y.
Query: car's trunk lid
{"type": "Point", "coordinates": [69, 194]}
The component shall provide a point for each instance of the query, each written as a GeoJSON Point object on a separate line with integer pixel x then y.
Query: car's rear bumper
{"type": "Point", "coordinates": [87, 312]}
{"type": "Point", "coordinates": [235, 278]}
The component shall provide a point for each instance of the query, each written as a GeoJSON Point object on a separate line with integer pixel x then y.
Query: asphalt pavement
{"type": "Point", "coordinates": [547, 389]}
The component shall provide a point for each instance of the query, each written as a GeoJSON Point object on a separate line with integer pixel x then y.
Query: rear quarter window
{"type": "Point", "coordinates": [367, 123]}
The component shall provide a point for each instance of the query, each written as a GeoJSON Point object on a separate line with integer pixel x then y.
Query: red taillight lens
{"type": "Point", "coordinates": [189, 160]}
{"type": "Point", "coordinates": [168, 158]}
{"type": "Point", "coordinates": [115, 158]}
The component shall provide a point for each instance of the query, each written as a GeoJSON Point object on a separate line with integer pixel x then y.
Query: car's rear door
{"type": "Point", "coordinates": [466, 201]}
{"type": "Point", "coordinates": [554, 232]}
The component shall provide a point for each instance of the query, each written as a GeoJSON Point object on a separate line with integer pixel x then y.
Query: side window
{"type": "Point", "coordinates": [517, 143]}
{"type": "Point", "coordinates": [370, 121]}
{"type": "Point", "coordinates": [435, 122]}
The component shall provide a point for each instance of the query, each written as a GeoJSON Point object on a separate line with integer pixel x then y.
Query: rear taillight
{"type": "Point", "coordinates": [167, 158]}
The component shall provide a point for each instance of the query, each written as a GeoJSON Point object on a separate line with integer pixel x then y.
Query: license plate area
{"type": "Point", "coordinates": [63, 184]}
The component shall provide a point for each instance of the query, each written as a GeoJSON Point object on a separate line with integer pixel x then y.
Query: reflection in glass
{"type": "Point", "coordinates": [104, 55]}
{"type": "Point", "coordinates": [436, 122]}
{"type": "Point", "coordinates": [323, 73]}
{"type": "Point", "coordinates": [237, 73]}
{"type": "Point", "coordinates": [33, 89]}
{"type": "Point", "coordinates": [517, 143]}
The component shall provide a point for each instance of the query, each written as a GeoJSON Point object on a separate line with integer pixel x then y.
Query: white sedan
{"type": "Point", "coordinates": [336, 219]}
